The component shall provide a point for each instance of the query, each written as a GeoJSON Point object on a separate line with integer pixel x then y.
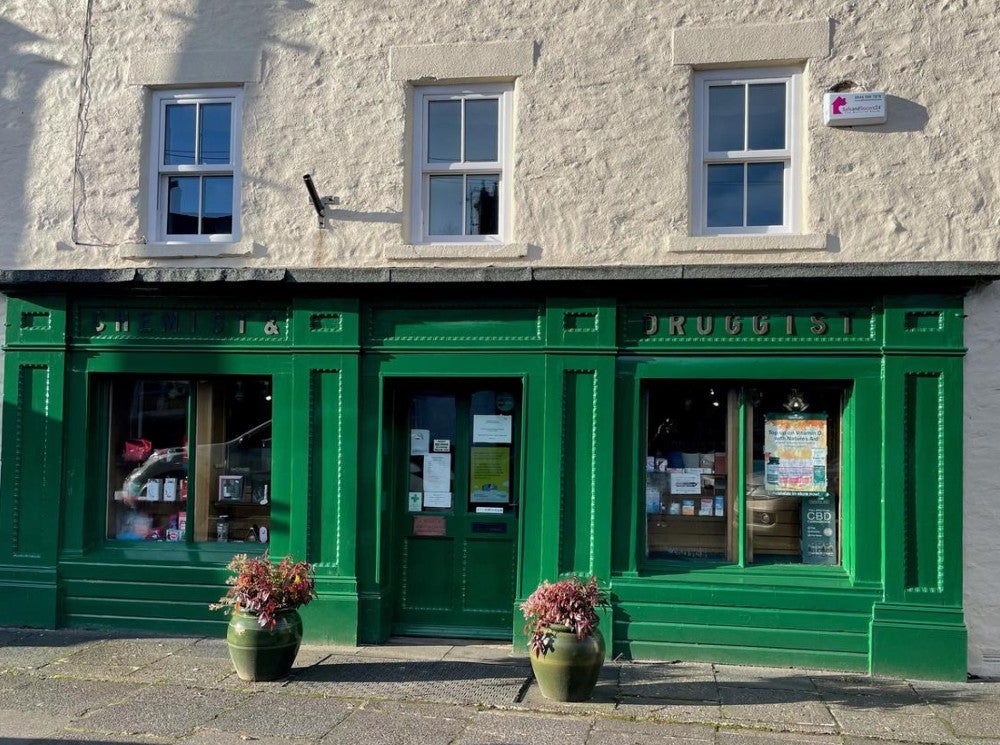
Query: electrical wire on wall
{"type": "Point", "coordinates": [79, 179]}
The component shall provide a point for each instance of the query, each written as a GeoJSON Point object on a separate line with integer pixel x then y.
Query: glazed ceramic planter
{"type": "Point", "coordinates": [260, 653]}
{"type": "Point", "coordinates": [568, 669]}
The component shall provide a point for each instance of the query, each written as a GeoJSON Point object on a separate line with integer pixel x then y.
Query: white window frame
{"type": "Point", "coordinates": [791, 154]}
{"type": "Point", "coordinates": [422, 170]}
{"type": "Point", "coordinates": [160, 171]}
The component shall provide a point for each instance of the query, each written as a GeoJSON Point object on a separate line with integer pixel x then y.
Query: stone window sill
{"type": "Point", "coordinates": [419, 252]}
{"type": "Point", "coordinates": [748, 243]}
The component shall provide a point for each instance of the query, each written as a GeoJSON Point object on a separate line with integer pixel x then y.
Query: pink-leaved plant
{"type": "Point", "coordinates": [570, 603]}
{"type": "Point", "coordinates": [263, 588]}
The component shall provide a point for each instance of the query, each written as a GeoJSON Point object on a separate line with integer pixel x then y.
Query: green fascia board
{"type": "Point", "coordinates": [36, 321]}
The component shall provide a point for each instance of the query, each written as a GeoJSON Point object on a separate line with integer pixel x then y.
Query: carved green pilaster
{"type": "Point", "coordinates": [919, 629]}
{"type": "Point", "coordinates": [31, 480]}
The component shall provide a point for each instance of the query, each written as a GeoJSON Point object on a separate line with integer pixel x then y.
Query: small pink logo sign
{"type": "Point", "coordinates": [838, 104]}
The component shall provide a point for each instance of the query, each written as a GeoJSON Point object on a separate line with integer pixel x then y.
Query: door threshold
{"type": "Point", "coordinates": [450, 649]}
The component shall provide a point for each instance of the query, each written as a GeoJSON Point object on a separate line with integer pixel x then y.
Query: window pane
{"type": "Point", "coordinates": [481, 129]}
{"type": "Point", "coordinates": [178, 134]}
{"type": "Point", "coordinates": [158, 484]}
{"type": "Point", "coordinates": [766, 118]}
{"type": "Point", "coordinates": [215, 132]}
{"type": "Point", "coordinates": [233, 471]}
{"type": "Point", "coordinates": [482, 215]}
{"type": "Point", "coordinates": [688, 504]}
{"type": "Point", "coordinates": [793, 473]}
{"type": "Point", "coordinates": [148, 459]}
{"type": "Point", "coordinates": [217, 205]}
{"type": "Point", "coordinates": [725, 195]}
{"type": "Point", "coordinates": [182, 205]}
{"type": "Point", "coordinates": [765, 193]}
{"type": "Point", "coordinates": [725, 117]}
{"type": "Point", "coordinates": [444, 121]}
{"type": "Point", "coordinates": [445, 210]}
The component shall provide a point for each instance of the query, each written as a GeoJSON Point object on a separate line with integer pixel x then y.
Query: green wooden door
{"type": "Point", "coordinates": [454, 506]}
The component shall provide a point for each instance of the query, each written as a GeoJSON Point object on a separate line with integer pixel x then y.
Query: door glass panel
{"type": "Point", "coordinates": [793, 473]}
{"type": "Point", "coordinates": [433, 429]}
{"type": "Point", "coordinates": [491, 458]}
{"type": "Point", "coordinates": [687, 491]}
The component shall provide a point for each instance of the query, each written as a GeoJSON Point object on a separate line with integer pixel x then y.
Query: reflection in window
{"type": "Point", "coordinates": [189, 459]}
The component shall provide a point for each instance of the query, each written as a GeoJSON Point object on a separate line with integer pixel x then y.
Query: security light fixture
{"type": "Point", "coordinates": [319, 203]}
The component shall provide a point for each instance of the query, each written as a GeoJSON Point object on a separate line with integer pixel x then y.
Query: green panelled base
{"type": "Point", "coordinates": [27, 602]}
{"type": "Point", "coordinates": [918, 642]}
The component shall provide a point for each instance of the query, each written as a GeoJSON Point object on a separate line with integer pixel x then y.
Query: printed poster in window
{"type": "Point", "coordinates": [795, 454]}
{"type": "Point", "coordinates": [489, 475]}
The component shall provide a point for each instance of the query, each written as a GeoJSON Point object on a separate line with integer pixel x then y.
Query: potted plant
{"type": "Point", "coordinates": [265, 630]}
{"type": "Point", "coordinates": [567, 647]}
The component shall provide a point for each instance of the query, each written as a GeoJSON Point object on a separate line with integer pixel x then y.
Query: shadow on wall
{"type": "Point", "coordinates": [903, 116]}
{"type": "Point", "coordinates": [22, 77]}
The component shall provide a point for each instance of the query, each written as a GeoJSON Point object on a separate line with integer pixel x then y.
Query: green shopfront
{"type": "Point", "coordinates": [767, 475]}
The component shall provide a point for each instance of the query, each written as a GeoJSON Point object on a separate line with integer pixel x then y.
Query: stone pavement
{"type": "Point", "coordinates": [98, 687]}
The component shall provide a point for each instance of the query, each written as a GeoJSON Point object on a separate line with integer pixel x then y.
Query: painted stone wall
{"type": "Point", "coordinates": [602, 139]}
{"type": "Point", "coordinates": [982, 494]}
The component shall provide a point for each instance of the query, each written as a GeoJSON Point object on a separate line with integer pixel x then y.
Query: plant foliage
{"type": "Point", "coordinates": [263, 588]}
{"type": "Point", "coordinates": [569, 602]}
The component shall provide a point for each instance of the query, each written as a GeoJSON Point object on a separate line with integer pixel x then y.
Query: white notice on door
{"type": "Point", "coordinates": [437, 472]}
{"type": "Point", "coordinates": [437, 499]}
{"type": "Point", "coordinates": [491, 428]}
{"type": "Point", "coordinates": [419, 441]}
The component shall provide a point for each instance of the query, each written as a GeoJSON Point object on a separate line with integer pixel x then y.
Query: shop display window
{"type": "Point", "coordinates": [743, 473]}
{"type": "Point", "coordinates": [189, 459]}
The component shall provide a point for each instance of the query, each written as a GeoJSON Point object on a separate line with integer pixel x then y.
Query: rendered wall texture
{"type": "Point", "coordinates": [982, 497]}
{"type": "Point", "coordinates": [602, 141]}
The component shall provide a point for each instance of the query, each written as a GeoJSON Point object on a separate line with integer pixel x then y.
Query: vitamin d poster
{"type": "Point", "coordinates": [795, 455]}
{"type": "Point", "coordinates": [490, 475]}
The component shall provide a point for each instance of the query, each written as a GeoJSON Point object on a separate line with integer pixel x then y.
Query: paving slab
{"type": "Point", "coordinates": [71, 698]}
{"type": "Point", "coordinates": [750, 737]}
{"type": "Point", "coordinates": [763, 677]}
{"type": "Point", "coordinates": [31, 649]}
{"type": "Point", "coordinates": [69, 736]}
{"type": "Point", "coordinates": [281, 715]}
{"type": "Point", "coordinates": [510, 728]}
{"type": "Point", "coordinates": [800, 710]}
{"type": "Point", "coordinates": [627, 732]}
{"type": "Point", "coordinates": [161, 710]}
{"type": "Point", "coordinates": [442, 681]}
{"type": "Point", "coordinates": [20, 724]}
{"type": "Point", "coordinates": [188, 670]}
{"type": "Point", "coordinates": [670, 711]}
{"type": "Point", "coordinates": [911, 724]}
{"type": "Point", "coordinates": [375, 723]}
{"type": "Point", "coordinates": [214, 737]}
